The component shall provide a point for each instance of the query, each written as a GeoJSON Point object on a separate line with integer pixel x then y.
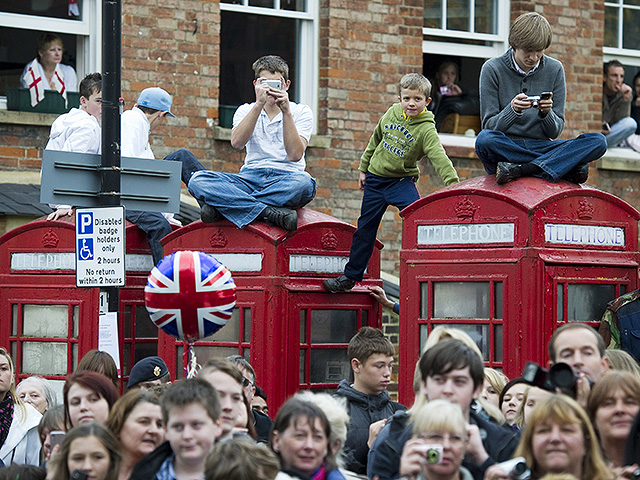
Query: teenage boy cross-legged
{"type": "Point", "coordinates": [389, 169]}
{"type": "Point", "coordinates": [371, 355]}
{"type": "Point", "coordinates": [272, 182]}
{"type": "Point", "coordinates": [517, 140]}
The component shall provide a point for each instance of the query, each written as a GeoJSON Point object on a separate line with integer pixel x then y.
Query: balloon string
{"type": "Point", "coordinates": [192, 365]}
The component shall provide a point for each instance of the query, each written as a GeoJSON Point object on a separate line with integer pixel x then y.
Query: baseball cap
{"type": "Point", "coordinates": [156, 98]}
{"type": "Point", "coordinates": [147, 369]}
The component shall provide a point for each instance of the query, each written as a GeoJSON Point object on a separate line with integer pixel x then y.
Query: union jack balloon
{"type": "Point", "coordinates": [190, 295]}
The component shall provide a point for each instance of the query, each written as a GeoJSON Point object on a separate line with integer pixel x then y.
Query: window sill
{"type": "Point", "coordinates": [27, 118]}
{"type": "Point", "coordinates": [621, 159]}
{"type": "Point", "coordinates": [316, 141]}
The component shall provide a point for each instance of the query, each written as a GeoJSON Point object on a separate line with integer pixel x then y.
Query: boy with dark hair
{"type": "Point", "coordinates": [371, 355]}
{"type": "Point", "coordinates": [273, 182]}
{"type": "Point", "coordinates": [522, 98]}
{"type": "Point", "coordinates": [617, 123]}
{"type": "Point", "coordinates": [389, 169]}
{"type": "Point", "coordinates": [79, 129]}
{"type": "Point", "coordinates": [190, 411]}
{"type": "Point", "coordinates": [450, 370]}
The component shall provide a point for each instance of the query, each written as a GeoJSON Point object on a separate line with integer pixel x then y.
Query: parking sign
{"type": "Point", "coordinates": [100, 247]}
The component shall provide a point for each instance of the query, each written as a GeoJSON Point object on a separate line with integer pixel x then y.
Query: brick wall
{"type": "Point", "coordinates": [21, 146]}
{"type": "Point", "coordinates": [578, 37]}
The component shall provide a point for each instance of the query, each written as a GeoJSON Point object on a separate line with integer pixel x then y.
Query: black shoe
{"type": "Point", "coordinates": [578, 174]}
{"type": "Point", "coordinates": [338, 284]}
{"type": "Point", "coordinates": [209, 214]}
{"type": "Point", "coordinates": [281, 217]}
{"type": "Point", "coordinates": [507, 172]}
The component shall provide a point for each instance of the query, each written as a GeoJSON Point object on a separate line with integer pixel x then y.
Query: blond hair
{"type": "Point", "coordinates": [530, 32]}
{"type": "Point", "coordinates": [415, 81]}
{"type": "Point", "coordinates": [561, 409]}
{"type": "Point", "coordinates": [439, 416]}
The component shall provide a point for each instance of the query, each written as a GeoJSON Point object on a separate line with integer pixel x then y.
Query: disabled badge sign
{"type": "Point", "coordinates": [100, 247]}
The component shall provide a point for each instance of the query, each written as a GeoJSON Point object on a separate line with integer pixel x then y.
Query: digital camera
{"type": "Point", "coordinates": [560, 375]}
{"type": "Point", "coordinates": [444, 90]}
{"type": "Point", "coordinates": [433, 453]}
{"type": "Point", "coordinates": [275, 83]}
{"type": "Point", "coordinates": [535, 101]}
{"type": "Point", "coordinates": [516, 468]}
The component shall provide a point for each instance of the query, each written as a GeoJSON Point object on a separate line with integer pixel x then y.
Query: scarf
{"type": "Point", "coordinates": [6, 417]}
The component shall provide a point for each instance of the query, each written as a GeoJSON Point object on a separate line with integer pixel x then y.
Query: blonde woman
{"type": "Point", "coordinates": [19, 439]}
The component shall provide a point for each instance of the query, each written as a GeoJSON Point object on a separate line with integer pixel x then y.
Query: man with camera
{"type": "Point", "coordinates": [522, 98]}
{"type": "Point", "coordinates": [583, 349]}
{"type": "Point", "coordinates": [273, 182]}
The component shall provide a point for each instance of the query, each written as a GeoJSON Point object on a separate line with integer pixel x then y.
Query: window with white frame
{"type": "Point", "coordinates": [77, 22]}
{"type": "Point", "coordinates": [253, 28]}
{"type": "Point", "coordinates": [622, 30]}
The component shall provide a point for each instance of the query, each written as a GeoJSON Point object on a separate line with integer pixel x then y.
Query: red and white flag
{"type": "Point", "coordinates": [73, 8]}
{"type": "Point", "coordinates": [35, 82]}
{"type": "Point", "coordinates": [57, 83]}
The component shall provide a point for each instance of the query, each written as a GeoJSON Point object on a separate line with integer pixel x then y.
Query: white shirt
{"type": "Point", "coordinates": [69, 74]}
{"type": "Point", "coordinates": [134, 136]}
{"type": "Point", "coordinates": [265, 148]}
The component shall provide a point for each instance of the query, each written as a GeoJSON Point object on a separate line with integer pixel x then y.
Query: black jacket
{"type": "Point", "coordinates": [363, 411]}
{"type": "Point", "coordinates": [384, 459]}
{"type": "Point", "coordinates": [147, 468]}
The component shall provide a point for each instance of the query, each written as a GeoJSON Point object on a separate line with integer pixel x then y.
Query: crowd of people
{"type": "Point", "coordinates": [467, 422]}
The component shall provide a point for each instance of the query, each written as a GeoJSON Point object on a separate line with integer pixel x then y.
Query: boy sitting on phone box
{"type": "Point", "coordinates": [522, 97]}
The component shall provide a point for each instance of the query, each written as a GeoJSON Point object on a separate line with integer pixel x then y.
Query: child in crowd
{"type": "Point", "coordinates": [190, 411]}
{"type": "Point", "coordinates": [389, 170]}
{"type": "Point", "coordinates": [79, 129]}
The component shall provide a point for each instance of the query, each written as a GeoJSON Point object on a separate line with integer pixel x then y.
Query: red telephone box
{"type": "Point", "coordinates": [49, 324]}
{"type": "Point", "coordinates": [294, 333]}
{"type": "Point", "coordinates": [509, 264]}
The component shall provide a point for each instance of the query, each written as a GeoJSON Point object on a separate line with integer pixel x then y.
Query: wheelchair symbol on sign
{"type": "Point", "coordinates": [85, 251]}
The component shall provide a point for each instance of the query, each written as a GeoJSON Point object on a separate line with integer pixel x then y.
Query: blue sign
{"type": "Point", "coordinates": [85, 225]}
{"type": "Point", "coordinates": [85, 249]}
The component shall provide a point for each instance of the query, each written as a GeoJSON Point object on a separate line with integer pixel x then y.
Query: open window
{"type": "Point", "coordinates": [22, 22]}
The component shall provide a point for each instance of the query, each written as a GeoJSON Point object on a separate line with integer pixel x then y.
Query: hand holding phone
{"type": "Point", "coordinates": [276, 84]}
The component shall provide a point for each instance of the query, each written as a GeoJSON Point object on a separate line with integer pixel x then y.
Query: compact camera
{"type": "Point", "coordinates": [535, 99]}
{"type": "Point", "coordinates": [444, 90]}
{"type": "Point", "coordinates": [276, 84]}
{"type": "Point", "coordinates": [516, 468]}
{"type": "Point", "coordinates": [560, 375]}
{"type": "Point", "coordinates": [79, 475]}
{"type": "Point", "coordinates": [433, 453]}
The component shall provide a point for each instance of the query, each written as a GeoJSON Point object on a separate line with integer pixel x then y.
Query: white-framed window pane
{"type": "Point", "coordinates": [44, 358]}
{"type": "Point", "coordinates": [622, 25]}
{"type": "Point", "coordinates": [45, 321]}
{"type": "Point", "coordinates": [44, 8]}
{"type": "Point", "coordinates": [631, 29]}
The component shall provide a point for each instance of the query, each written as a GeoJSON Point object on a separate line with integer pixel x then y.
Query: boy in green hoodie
{"type": "Point", "coordinates": [389, 169]}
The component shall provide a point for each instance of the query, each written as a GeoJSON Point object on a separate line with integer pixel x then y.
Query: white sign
{"type": "Point", "coordinates": [317, 263]}
{"type": "Point", "coordinates": [134, 262]}
{"type": "Point", "coordinates": [592, 235]}
{"type": "Point", "coordinates": [466, 233]}
{"type": "Point", "coordinates": [108, 336]}
{"type": "Point", "coordinates": [100, 247]}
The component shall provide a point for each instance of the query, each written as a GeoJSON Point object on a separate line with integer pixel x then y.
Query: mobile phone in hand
{"type": "Point", "coordinates": [57, 437]}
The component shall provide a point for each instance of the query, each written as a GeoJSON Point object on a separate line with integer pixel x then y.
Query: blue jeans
{"type": "Point", "coordinates": [620, 130]}
{"type": "Point", "coordinates": [554, 157]}
{"type": "Point", "coordinates": [241, 197]}
{"type": "Point", "coordinates": [379, 193]}
{"type": "Point", "coordinates": [190, 163]}
{"type": "Point", "coordinates": [154, 225]}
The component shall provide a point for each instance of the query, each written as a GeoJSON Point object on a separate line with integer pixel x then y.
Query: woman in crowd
{"type": "Point", "coordinates": [532, 395]}
{"type": "Point", "coordinates": [136, 421]}
{"type": "Point", "coordinates": [101, 362]}
{"type": "Point", "coordinates": [621, 360]}
{"type": "Point", "coordinates": [511, 398]}
{"type": "Point", "coordinates": [300, 438]}
{"type": "Point", "coordinates": [88, 397]}
{"type": "Point", "coordinates": [558, 438]}
{"type": "Point", "coordinates": [494, 382]}
{"type": "Point", "coordinates": [52, 420]}
{"type": "Point", "coordinates": [613, 404]}
{"type": "Point", "coordinates": [38, 392]}
{"type": "Point", "coordinates": [19, 441]}
{"type": "Point", "coordinates": [49, 49]}
{"type": "Point", "coordinates": [438, 424]}
{"type": "Point", "coordinates": [91, 448]}
{"type": "Point", "coordinates": [447, 96]}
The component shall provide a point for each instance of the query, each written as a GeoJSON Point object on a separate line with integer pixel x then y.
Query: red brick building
{"type": "Point", "coordinates": [346, 57]}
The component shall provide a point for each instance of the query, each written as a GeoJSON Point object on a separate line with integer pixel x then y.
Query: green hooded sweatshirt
{"type": "Point", "coordinates": [399, 142]}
